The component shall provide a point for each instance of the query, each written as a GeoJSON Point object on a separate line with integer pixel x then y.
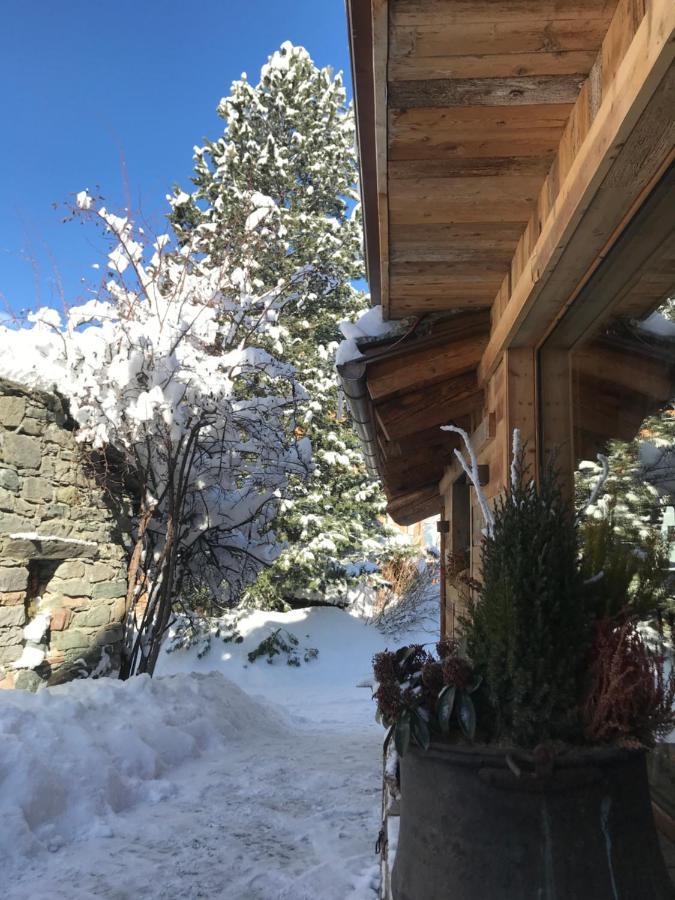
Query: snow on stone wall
{"type": "Point", "coordinates": [62, 549]}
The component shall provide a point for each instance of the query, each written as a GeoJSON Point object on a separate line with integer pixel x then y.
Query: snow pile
{"type": "Point", "coordinates": [185, 787]}
{"type": "Point", "coordinates": [370, 324]}
{"type": "Point", "coordinates": [323, 691]}
{"type": "Point", "coordinates": [74, 757]}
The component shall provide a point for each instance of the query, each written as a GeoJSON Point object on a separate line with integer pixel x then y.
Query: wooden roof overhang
{"type": "Point", "coordinates": [404, 388]}
{"type": "Point", "coordinates": [401, 391]}
{"type": "Point", "coordinates": [510, 149]}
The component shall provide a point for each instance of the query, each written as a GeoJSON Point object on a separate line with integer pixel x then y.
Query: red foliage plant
{"type": "Point", "coordinates": [629, 698]}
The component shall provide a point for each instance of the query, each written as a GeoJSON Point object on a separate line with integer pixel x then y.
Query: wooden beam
{"type": "Point", "coordinates": [523, 90]}
{"type": "Point", "coordinates": [380, 30]}
{"type": "Point", "coordinates": [555, 417]}
{"type": "Point", "coordinates": [638, 76]}
{"type": "Point", "coordinates": [459, 12]}
{"type": "Point", "coordinates": [454, 351]}
{"type": "Point", "coordinates": [442, 441]}
{"type": "Point", "coordinates": [413, 506]}
{"type": "Point", "coordinates": [641, 248]}
{"type": "Point", "coordinates": [493, 65]}
{"type": "Point", "coordinates": [419, 410]}
{"type": "Point", "coordinates": [462, 167]}
{"type": "Point", "coordinates": [476, 131]}
{"type": "Point", "coordinates": [483, 37]}
{"type": "Point", "coordinates": [437, 201]}
{"type": "Point", "coordinates": [477, 242]}
{"type": "Point", "coordinates": [519, 375]}
{"type": "Point", "coordinates": [360, 27]}
{"type": "Point", "coordinates": [457, 297]}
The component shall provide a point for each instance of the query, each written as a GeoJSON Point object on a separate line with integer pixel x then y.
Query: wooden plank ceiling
{"type": "Point", "coordinates": [478, 96]}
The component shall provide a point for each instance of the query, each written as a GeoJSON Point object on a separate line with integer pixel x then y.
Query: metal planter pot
{"type": "Point", "coordinates": [471, 829]}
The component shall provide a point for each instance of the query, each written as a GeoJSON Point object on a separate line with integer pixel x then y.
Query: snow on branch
{"type": "Point", "coordinates": [515, 456]}
{"type": "Point", "coordinates": [602, 478]}
{"type": "Point", "coordinates": [174, 367]}
{"type": "Point", "coordinates": [473, 476]}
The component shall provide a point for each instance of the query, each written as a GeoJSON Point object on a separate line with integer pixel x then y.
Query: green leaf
{"type": "Point", "coordinates": [402, 734]}
{"type": "Point", "coordinates": [420, 731]}
{"type": "Point", "coordinates": [378, 716]}
{"type": "Point", "coordinates": [478, 680]}
{"type": "Point", "coordinates": [445, 706]}
{"type": "Point", "coordinates": [403, 654]}
{"type": "Point", "coordinates": [466, 715]}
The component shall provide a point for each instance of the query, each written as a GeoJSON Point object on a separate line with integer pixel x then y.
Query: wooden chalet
{"type": "Point", "coordinates": [519, 205]}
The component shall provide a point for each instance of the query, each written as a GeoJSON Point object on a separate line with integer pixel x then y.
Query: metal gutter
{"type": "Point", "coordinates": [352, 378]}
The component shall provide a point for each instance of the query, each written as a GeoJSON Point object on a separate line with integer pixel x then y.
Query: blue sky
{"type": "Point", "coordinates": [115, 95]}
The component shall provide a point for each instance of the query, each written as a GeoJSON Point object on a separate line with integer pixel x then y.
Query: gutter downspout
{"type": "Point", "coordinates": [352, 377]}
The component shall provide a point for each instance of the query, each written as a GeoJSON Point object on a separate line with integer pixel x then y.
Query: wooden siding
{"type": "Point", "coordinates": [479, 95]}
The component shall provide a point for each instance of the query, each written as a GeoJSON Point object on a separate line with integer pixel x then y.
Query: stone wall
{"type": "Point", "coordinates": [63, 549]}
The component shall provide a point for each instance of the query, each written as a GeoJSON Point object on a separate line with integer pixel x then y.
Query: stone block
{"type": "Point", "coordinates": [109, 590]}
{"type": "Point", "coordinates": [71, 587]}
{"type": "Point", "coordinates": [55, 658]}
{"type": "Point", "coordinates": [10, 522]}
{"type": "Point", "coordinates": [32, 427]}
{"type": "Point", "coordinates": [10, 654]}
{"type": "Point", "coordinates": [14, 579]}
{"type": "Point", "coordinates": [21, 451]}
{"type": "Point", "coordinates": [12, 598]}
{"type": "Point", "coordinates": [72, 639]}
{"type": "Point", "coordinates": [55, 511]}
{"type": "Point", "coordinates": [9, 480]}
{"type": "Point", "coordinates": [59, 436]}
{"type": "Point", "coordinates": [29, 512]}
{"type": "Point", "coordinates": [61, 619]}
{"type": "Point", "coordinates": [7, 500]}
{"type": "Point", "coordinates": [12, 411]}
{"type": "Point", "coordinates": [37, 490]}
{"type": "Point", "coordinates": [68, 495]}
{"type": "Point", "coordinates": [26, 680]}
{"type": "Point", "coordinates": [102, 571]}
{"type": "Point", "coordinates": [71, 568]}
{"type": "Point", "coordinates": [118, 610]}
{"type": "Point", "coordinates": [12, 615]}
{"type": "Point", "coordinates": [11, 636]}
{"type": "Point", "coordinates": [94, 617]}
{"type": "Point", "coordinates": [7, 683]}
{"type": "Point", "coordinates": [37, 412]}
{"type": "Point", "coordinates": [109, 635]}
{"type": "Point", "coordinates": [55, 547]}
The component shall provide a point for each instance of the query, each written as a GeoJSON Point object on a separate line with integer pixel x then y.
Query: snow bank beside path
{"type": "Point", "coordinates": [184, 787]}
{"type": "Point", "coordinates": [75, 756]}
{"type": "Point", "coordinates": [321, 692]}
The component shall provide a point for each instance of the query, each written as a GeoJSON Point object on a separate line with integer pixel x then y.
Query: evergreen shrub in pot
{"type": "Point", "coordinates": [522, 758]}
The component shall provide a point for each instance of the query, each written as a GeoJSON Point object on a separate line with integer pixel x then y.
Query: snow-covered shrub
{"type": "Point", "coordinates": [190, 630]}
{"type": "Point", "coordinates": [169, 368]}
{"type": "Point", "coordinates": [282, 643]}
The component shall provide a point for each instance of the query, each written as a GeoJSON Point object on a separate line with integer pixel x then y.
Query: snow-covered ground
{"type": "Point", "coordinates": [216, 779]}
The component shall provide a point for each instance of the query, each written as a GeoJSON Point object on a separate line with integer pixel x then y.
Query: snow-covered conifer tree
{"type": "Point", "coordinates": [290, 140]}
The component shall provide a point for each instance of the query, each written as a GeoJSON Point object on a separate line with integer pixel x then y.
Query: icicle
{"type": "Point", "coordinates": [472, 475]}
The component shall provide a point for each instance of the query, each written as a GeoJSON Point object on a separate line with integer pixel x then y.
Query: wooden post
{"type": "Point", "coordinates": [555, 415]}
{"type": "Point", "coordinates": [443, 527]}
{"type": "Point", "coordinates": [520, 405]}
